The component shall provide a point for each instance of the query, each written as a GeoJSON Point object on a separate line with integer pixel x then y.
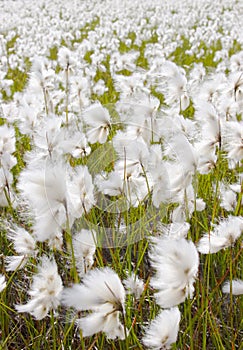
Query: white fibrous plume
{"type": "Point", "coordinates": [134, 285]}
{"type": "Point", "coordinates": [98, 120]}
{"type": "Point", "coordinates": [232, 141]}
{"type": "Point", "coordinates": [175, 86]}
{"type": "Point", "coordinates": [80, 191]}
{"type": "Point", "coordinates": [102, 292]}
{"type": "Point", "coordinates": [176, 265]}
{"type": "Point", "coordinates": [7, 162]}
{"type": "Point", "coordinates": [3, 283]}
{"type": "Point", "coordinates": [24, 245]}
{"type": "Point", "coordinates": [84, 246]}
{"type": "Point", "coordinates": [222, 236]}
{"type": "Point", "coordinates": [45, 290]}
{"type": "Point", "coordinates": [163, 330]}
{"type": "Point", "coordinates": [45, 189]}
{"type": "Point", "coordinates": [237, 287]}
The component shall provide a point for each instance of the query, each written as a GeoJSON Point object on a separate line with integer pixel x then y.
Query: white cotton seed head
{"type": "Point", "coordinates": [112, 185]}
{"type": "Point", "coordinates": [102, 292]}
{"type": "Point", "coordinates": [99, 287]}
{"type": "Point", "coordinates": [96, 116]}
{"type": "Point", "coordinates": [24, 243]}
{"type": "Point", "coordinates": [3, 283]}
{"type": "Point", "coordinates": [99, 322]}
{"type": "Point", "coordinates": [44, 187]}
{"type": "Point", "coordinates": [228, 199]}
{"type": "Point", "coordinates": [80, 191]}
{"type": "Point", "coordinates": [84, 243]}
{"type": "Point", "coordinates": [232, 135]}
{"type": "Point", "coordinates": [175, 230]}
{"type": "Point", "coordinates": [84, 246]}
{"type": "Point", "coordinates": [237, 287]}
{"type": "Point", "coordinates": [45, 290]}
{"type": "Point", "coordinates": [48, 226]}
{"type": "Point", "coordinates": [176, 265]}
{"type": "Point", "coordinates": [210, 243]}
{"type": "Point", "coordinates": [65, 58]}
{"type": "Point", "coordinates": [15, 262]}
{"type": "Point", "coordinates": [91, 324]}
{"type": "Point", "coordinates": [224, 235]}
{"type": "Point", "coordinates": [163, 330]}
{"type": "Point", "coordinates": [134, 285]}
{"type": "Point", "coordinates": [7, 139]}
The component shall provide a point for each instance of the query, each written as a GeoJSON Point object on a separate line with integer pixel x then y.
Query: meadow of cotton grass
{"type": "Point", "coordinates": [121, 147]}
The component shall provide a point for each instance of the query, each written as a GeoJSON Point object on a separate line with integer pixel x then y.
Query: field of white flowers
{"type": "Point", "coordinates": [121, 171]}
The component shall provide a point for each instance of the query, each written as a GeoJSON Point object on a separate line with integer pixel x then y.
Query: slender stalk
{"type": "Point", "coordinates": [239, 205]}
{"type": "Point", "coordinates": [54, 336]}
{"type": "Point", "coordinates": [206, 302]}
{"type": "Point", "coordinates": [7, 195]}
{"type": "Point", "coordinates": [231, 296]}
{"type": "Point", "coordinates": [93, 343]}
{"type": "Point", "coordinates": [125, 329]}
{"type": "Point", "coordinates": [187, 214]}
{"type": "Point", "coordinates": [146, 178]}
{"type": "Point", "coordinates": [189, 312]}
{"type": "Point", "coordinates": [67, 91]}
{"type": "Point", "coordinates": [45, 100]}
{"type": "Point", "coordinates": [69, 241]}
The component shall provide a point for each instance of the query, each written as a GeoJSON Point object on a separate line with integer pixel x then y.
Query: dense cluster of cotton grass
{"type": "Point", "coordinates": [116, 140]}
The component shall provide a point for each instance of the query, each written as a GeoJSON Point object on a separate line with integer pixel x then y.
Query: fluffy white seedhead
{"type": "Point", "coordinates": [84, 246]}
{"type": "Point", "coordinates": [209, 120]}
{"type": "Point", "coordinates": [99, 287]}
{"type": "Point", "coordinates": [100, 88]}
{"type": "Point", "coordinates": [102, 292]}
{"type": "Point", "coordinates": [176, 265]}
{"type": "Point", "coordinates": [66, 58]}
{"type": "Point", "coordinates": [228, 196]}
{"type": "Point", "coordinates": [80, 191]}
{"type": "Point", "coordinates": [174, 85]}
{"type": "Point", "coordinates": [80, 146]}
{"type": "Point", "coordinates": [157, 171]}
{"type": "Point", "coordinates": [163, 330]}
{"type": "Point", "coordinates": [184, 153]}
{"type": "Point", "coordinates": [45, 290]}
{"type": "Point", "coordinates": [23, 242]}
{"type": "Point", "coordinates": [13, 262]}
{"type": "Point", "coordinates": [28, 121]}
{"type": "Point", "coordinates": [236, 62]}
{"type": "Point", "coordinates": [175, 230]}
{"type": "Point", "coordinates": [45, 190]}
{"type": "Point", "coordinates": [7, 162]}
{"type": "Point", "coordinates": [134, 151]}
{"type": "Point", "coordinates": [112, 185]}
{"type": "Point", "coordinates": [98, 120]}
{"type": "Point", "coordinates": [128, 178]}
{"type": "Point", "coordinates": [128, 85]}
{"type": "Point", "coordinates": [99, 322]}
{"type": "Point", "coordinates": [44, 187]}
{"type": "Point", "coordinates": [139, 115]}
{"type": "Point", "coordinates": [187, 205]}
{"type": "Point", "coordinates": [3, 283]}
{"type": "Point", "coordinates": [7, 139]}
{"type": "Point", "coordinates": [49, 136]}
{"type": "Point", "coordinates": [224, 235]}
{"type": "Point", "coordinates": [237, 287]}
{"type": "Point", "coordinates": [134, 285]}
{"type": "Point", "coordinates": [24, 245]}
{"type": "Point", "coordinates": [232, 136]}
